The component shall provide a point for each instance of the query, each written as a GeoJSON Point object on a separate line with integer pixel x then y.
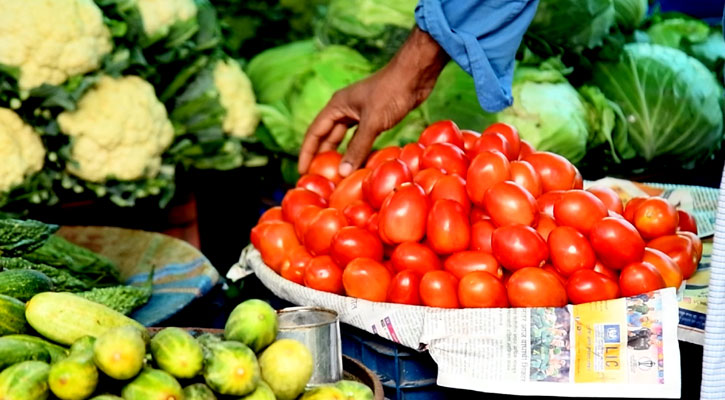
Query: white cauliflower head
{"type": "Point", "coordinates": [51, 40]}
{"type": "Point", "coordinates": [119, 130]}
{"type": "Point", "coordinates": [159, 15]}
{"type": "Point", "coordinates": [21, 150]}
{"type": "Point", "coordinates": [237, 97]}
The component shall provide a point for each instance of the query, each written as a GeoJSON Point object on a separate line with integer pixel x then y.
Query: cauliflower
{"type": "Point", "coordinates": [21, 150]}
{"type": "Point", "coordinates": [160, 15]}
{"type": "Point", "coordinates": [118, 131]}
{"type": "Point", "coordinates": [51, 40]}
{"type": "Point", "coordinates": [237, 97]}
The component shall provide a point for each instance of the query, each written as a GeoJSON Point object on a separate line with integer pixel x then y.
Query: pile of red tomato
{"type": "Point", "coordinates": [462, 219]}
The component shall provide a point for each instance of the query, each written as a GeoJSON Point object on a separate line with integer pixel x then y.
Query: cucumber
{"type": "Point", "coordinates": [65, 317]}
{"type": "Point", "coordinates": [56, 352]}
{"type": "Point", "coordinates": [13, 351]}
{"type": "Point", "coordinates": [199, 391]}
{"type": "Point", "coordinates": [176, 352]}
{"type": "Point", "coordinates": [74, 378]}
{"type": "Point", "coordinates": [107, 397]}
{"type": "Point", "coordinates": [12, 316]}
{"type": "Point", "coordinates": [153, 384]}
{"type": "Point", "coordinates": [24, 284]}
{"type": "Point", "coordinates": [27, 380]}
{"type": "Point", "coordinates": [83, 345]}
{"type": "Point", "coordinates": [120, 352]}
{"type": "Point", "coordinates": [231, 369]}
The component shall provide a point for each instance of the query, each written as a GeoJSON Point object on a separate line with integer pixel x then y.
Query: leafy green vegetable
{"type": "Point", "coordinates": [671, 102]}
{"type": "Point", "coordinates": [123, 299]}
{"type": "Point", "coordinates": [574, 25]}
{"type": "Point", "coordinates": [62, 280]}
{"type": "Point", "coordinates": [607, 125]}
{"type": "Point", "coordinates": [18, 237]}
{"type": "Point", "coordinates": [629, 14]}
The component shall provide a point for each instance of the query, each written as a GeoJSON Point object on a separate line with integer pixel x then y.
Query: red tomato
{"type": "Point", "coordinates": [319, 234]}
{"type": "Point", "coordinates": [323, 274]}
{"type": "Point", "coordinates": [656, 217]}
{"type": "Point", "coordinates": [631, 207]}
{"type": "Point", "coordinates": [482, 290]}
{"type": "Point", "coordinates": [403, 215]}
{"type": "Point", "coordinates": [389, 266]}
{"type": "Point", "coordinates": [492, 142]}
{"type": "Point", "coordinates": [272, 214]}
{"type": "Point", "coordinates": [469, 140]}
{"type": "Point", "coordinates": [665, 265]}
{"type": "Point", "coordinates": [381, 156]}
{"type": "Point", "coordinates": [550, 268]}
{"type": "Point", "coordinates": [404, 288]}
{"type": "Point", "coordinates": [358, 213]}
{"type": "Point", "coordinates": [545, 225]}
{"type": "Point", "coordinates": [616, 242]}
{"type": "Point", "coordinates": [352, 242]}
{"type": "Point", "coordinates": [580, 210]}
{"type": "Point", "coordinates": [478, 214]}
{"type": "Point", "coordinates": [349, 189]}
{"type": "Point", "coordinates": [481, 233]}
{"type": "Point", "coordinates": [525, 175]}
{"type": "Point", "coordinates": [519, 246]}
{"type": "Point", "coordinates": [609, 197]}
{"type": "Point", "coordinates": [439, 289]}
{"type": "Point", "coordinates": [487, 169]}
{"type": "Point", "coordinates": [611, 273]}
{"type": "Point", "coordinates": [510, 133]}
{"type": "Point", "coordinates": [293, 267]}
{"type": "Point", "coordinates": [318, 184]}
{"type": "Point", "coordinates": [427, 178]}
{"type": "Point", "coordinates": [586, 286]}
{"type": "Point", "coordinates": [680, 249]}
{"type": "Point", "coordinates": [687, 222]}
{"type": "Point", "coordinates": [696, 242]}
{"type": "Point", "coordinates": [451, 187]}
{"type": "Point", "coordinates": [416, 257]}
{"type": "Point", "coordinates": [373, 224]}
{"type": "Point", "coordinates": [411, 155]}
{"type": "Point", "coordinates": [304, 219]}
{"type": "Point", "coordinates": [255, 235]}
{"type": "Point", "coordinates": [555, 171]}
{"type": "Point", "coordinates": [465, 262]}
{"type": "Point", "coordinates": [326, 164]}
{"type": "Point", "coordinates": [526, 149]}
{"type": "Point", "coordinates": [383, 180]}
{"type": "Point", "coordinates": [638, 278]}
{"type": "Point", "coordinates": [534, 287]}
{"type": "Point", "coordinates": [296, 199]}
{"type": "Point", "coordinates": [366, 279]}
{"type": "Point", "coordinates": [546, 201]}
{"type": "Point", "coordinates": [448, 229]}
{"type": "Point", "coordinates": [276, 239]}
{"type": "Point", "coordinates": [446, 157]}
{"type": "Point", "coordinates": [570, 251]}
{"type": "Point", "coordinates": [442, 132]}
{"type": "Point", "coordinates": [578, 180]}
{"type": "Point", "coordinates": [508, 203]}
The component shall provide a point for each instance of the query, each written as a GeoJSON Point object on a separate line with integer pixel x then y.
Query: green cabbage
{"type": "Point", "coordinates": [671, 102]}
{"type": "Point", "coordinates": [574, 25]}
{"type": "Point", "coordinates": [692, 36]}
{"type": "Point", "coordinates": [629, 14]}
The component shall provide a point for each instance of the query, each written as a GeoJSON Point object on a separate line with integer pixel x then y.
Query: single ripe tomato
{"type": "Point", "coordinates": [448, 229]}
{"type": "Point", "coordinates": [352, 242]}
{"type": "Point", "coordinates": [442, 132]}
{"type": "Point", "coordinates": [416, 257]}
{"type": "Point", "coordinates": [478, 214]}
{"type": "Point", "coordinates": [296, 199]}
{"type": "Point", "coordinates": [349, 189]}
{"type": "Point", "coordinates": [366, 279]}
{"type": "Point", "coordinates": [510, 133]}
{"type": "Point", "coordinates": [631, 208]}
{"type": "Point", "coordinates": [490, 142]}
{"type": "Point", "coordinates": [696, 242]}
{"type": "Point", "coordinates": [508, 203]}
{"type": "Point", "coordinates": [380, 156]}
{"type": "Point", "coordinates": [578, 180]}
{"type": "Point", "coordinates": [487, 169]}
{"type": "Point", "coordinates": [276, 239]}
{"type": "Point", "coordinates": [469, 139]}
{"type": "Point", "coordinates": [546, 201]}
{"type": "Point", "coordinates": [580, 210]}
{"type": "Point", "coordinates": [535, 287]}
{"type": "Point", "coordinates": [445, 157]}
{"type": "Point", "coordinates": [665, 265]}
{"type": "Point", "coordinates": [586, 286]}
{"type": "Point", "coordinates": [327, 164]}
{"type": "Point", "coordinates": [526, 149]}
{"type": "Point", "coordinates": [319, 233]}
{"type": "Point", "coordinates": [545, 225]}
{"type": "Point", "coordinates": [525, 175]}
{"type": "Point", "coordinates": [373, 224]}
{"type": "Point", "coordinates": [687, 222]}
{"type": "Point", "coordinates": [383, 180]}
{"type": "Point", "coordinates": [358, 213]}
{"type": "Point", "coordinates": [405, 288]}
{"type": "Point", "coordinates": [555, 171]}
{"type": "Point", "coordinates": [465, 262]}
{"type": "Point", "coordinates": [411, 155]}
{"type": "Point", "coordinates": [318, 184]}
{"type": "Point", "coordinates": [570, 251]}
{"type": "Point", "coordinates": [482, 290]}
{"type": "Point", "coordinates": [403, 215]}
{"type": "Point", "coordinates": [427, 178]}
{"type": "Point", "coordinates": [323, 274]}
{"type": "Point", "coordinates": [639, 277]}
{"type": "Point", "coordinates": [519, 246]}
{"type": "Point", "coordinates": [680, 249]}
{"type": "Point", "coordinates": [272, 214]}
{"type": "Point", "coordinates": [481, 233]}
{"type": "Point", "coordinates": [609, 197]}
{"type": "Point", "coordinates": [611, 273]}
{"type": "Point", "coordinates": [304, 219]}
{"type": "Point", "coordinates": [616, 242]}
{"type": "Point", "coordinates": [451, 187]}
{"type": "Point", "coordinates": [559, 276]}
{"type": "Point", "coordinates": [293, 267]}
{"type": "Point", "coordinates": [439, 289]}
{"type": "Point", "coordinates": [656, 217]}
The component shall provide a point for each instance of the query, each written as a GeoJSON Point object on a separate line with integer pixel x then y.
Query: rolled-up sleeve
{"type": "Point", "coordinates": [482, 36]}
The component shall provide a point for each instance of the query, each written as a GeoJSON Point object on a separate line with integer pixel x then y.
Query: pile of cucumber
{"type": "Point", "coordinates": [64, 345]}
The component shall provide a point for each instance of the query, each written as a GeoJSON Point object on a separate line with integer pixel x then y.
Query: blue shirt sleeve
{"type": "Point", "coordinates": [481, 36]}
